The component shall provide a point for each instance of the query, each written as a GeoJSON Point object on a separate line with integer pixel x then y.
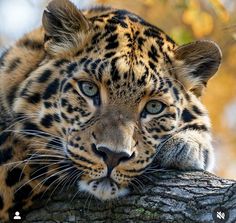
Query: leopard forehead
{"type": "Point", "coordinates": [125, 52]}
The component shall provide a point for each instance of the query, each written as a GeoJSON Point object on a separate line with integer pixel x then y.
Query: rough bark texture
{"type": "Point", "coordinates": [169, 196]}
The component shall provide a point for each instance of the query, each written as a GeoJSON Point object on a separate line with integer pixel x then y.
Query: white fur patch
{"type": "Point", "coordinates": [102, 189]}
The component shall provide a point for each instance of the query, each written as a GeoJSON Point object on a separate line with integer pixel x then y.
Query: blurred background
{"type": "Point", "coordinates": [184, 21]}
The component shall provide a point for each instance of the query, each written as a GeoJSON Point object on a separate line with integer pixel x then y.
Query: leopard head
{"type": "Point", "coordinates": [116, 89]}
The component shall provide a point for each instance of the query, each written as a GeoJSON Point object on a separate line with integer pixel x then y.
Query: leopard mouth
{"type": "Point", "coordinates": [104, 188]}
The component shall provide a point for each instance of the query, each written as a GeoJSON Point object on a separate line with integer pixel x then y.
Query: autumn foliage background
{"type": "Point", "coordinates": [184, 21]}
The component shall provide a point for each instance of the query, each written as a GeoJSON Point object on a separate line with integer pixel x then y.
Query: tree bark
{"type": "Point", "coordinates": [168, 196]}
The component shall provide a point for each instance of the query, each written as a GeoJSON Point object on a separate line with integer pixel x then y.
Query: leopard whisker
{"type": "Point", "coordinates": [58, 181]}
{"type": "Point", "coordinates": [15, 121]}
{"type": "Point", "coordinates": [38, 134]}
{"type": "Point", "coordinates": [47, 146]}
{"type": "Point", "coordinates": [40, 184]}
{"type": "Point", "coordinates": [138, 182]}
{"type": "Point", "coordinates": [34, 178]}
{"type": "Point", "coordinates": [74, 177]}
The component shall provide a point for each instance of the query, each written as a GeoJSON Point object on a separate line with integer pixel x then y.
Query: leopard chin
{"type": "Point", "coordinates": [104, 188]}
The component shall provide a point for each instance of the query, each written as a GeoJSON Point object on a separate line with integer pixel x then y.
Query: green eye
{"type": "Point", "coordinates": [154, 107]}
{"type": "Point", "coordinates": [88, 88]}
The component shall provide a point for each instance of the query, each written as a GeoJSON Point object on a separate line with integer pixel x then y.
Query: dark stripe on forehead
{"type": "Point", "coordinates": [71, 68]}
{"type": "Point", "coordinates": [115, 75]}
{"type": "Point", "coordinates": [101, 68]}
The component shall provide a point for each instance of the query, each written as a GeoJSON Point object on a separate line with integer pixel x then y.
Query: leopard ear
{"type": "Point", "coordinates": [196, 63]}
{"type": "Point", "coordinates": [66, 28]}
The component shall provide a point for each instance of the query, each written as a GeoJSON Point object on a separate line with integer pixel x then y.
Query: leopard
{"type": "Point", "coordinates": [99, 97]}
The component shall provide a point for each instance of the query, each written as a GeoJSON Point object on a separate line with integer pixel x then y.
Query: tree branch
{"type": "Point", "coordinates": [169, 196]}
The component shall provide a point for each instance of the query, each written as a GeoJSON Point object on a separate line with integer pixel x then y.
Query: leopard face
{"type": "Point", "coordinates": [116, 95]}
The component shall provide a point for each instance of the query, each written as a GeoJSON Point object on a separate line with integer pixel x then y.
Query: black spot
{"type": "Point", "coordinates": [112, 45]}
{"type": "Point", "coordinates": [1, 203]}
{"type": "Point", "coordinates": [86, 65]}
{"type": "Point", "coordinates": [44, 76]}
{"type": "Point", "coordinates": [152, 65]}
{"type": "Point", "coordinates": [3, 137]}
{"type": "Point", "coordinates": [197, 110]}
{"type": "Point", "coordinates": [176, 93]}
{"type": "Point", "coordinates": [110, 28]}
{"type": "Point", "coordinates": [14, 176]}
{"type": "Point", "coordinates": [153, 53]}
{"type": "Point", "coordinates": [13, 64]}
{"type": "Point", "coordinates": [112, 38]}
{"type": "Point", "coordinates": [196, 127]}
{"type": "Point", "coordinates": [81, 148]}
{"type": "Point", "coordinates": [47, 104]}
{"type": "Point", "coordinates": [11, 95]}
{"type": "Point", "coordinates": [32, 130]}
{"type": "Point", "coordinates": [50, 180]}
{"type": "Point", "coordinates": [60, 62]}
{"type": "Point", "coordinates": [95, 38]}
{"type": "Point", "coordinates": [70, 109]}
{"type": "Point", "coordinates": [64, 102]}
{"type": "Point", "coordinates": [47, 121]}
{"type": "Point", "coordinates": [114, 71]}
{"type": "Point", "coordinates": [34, 99]}
{"type": "Point", "coordinates": [95, 64]}
{"type": "Point", "coordinates": [63, 115]}
{"type": "Point", "coordinates": [109, 55]}
{"type": "Point", "coordinates": [142, 80]}
{"type": "Point", "coordinates": [56, 118]}
{"type": "Point", "coordinates": [169, 83]}
{"type": "Point", "coordinates": [32, 44]}
{"type": "Point", "coordinates": [140, 42]}
{"type": "Point", "coordinates": [151, 32]}
{"type": "Point", "coordinates": [187, 97]}
{"type": "Point", "coordinates": [71, 67]}
{"type": "Point", "coordinates": [5, 155]}
{"type": "Point", "coordinates": [187, 116]}
{"type": "Point", "coordinates": [22, 193]}
{"type": "Point", "coordinates": [67, 87]}
{"type": "Point", "coordinates": [38, 171]}
{"type": "Point", "coordinates": [51, 89]}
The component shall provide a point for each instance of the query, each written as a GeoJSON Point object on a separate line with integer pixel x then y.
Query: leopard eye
{"type": "Point", "coordinates": [154, 107]}
{"type": "Point", "coordinates": [89, 89]}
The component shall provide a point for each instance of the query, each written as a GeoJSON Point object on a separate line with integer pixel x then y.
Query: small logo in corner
{"type": "Point", "coordinates": [220, 215]}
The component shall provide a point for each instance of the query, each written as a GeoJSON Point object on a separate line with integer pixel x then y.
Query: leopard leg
{"type": "Point", "coordinates": [188, 150]}
{"type": "Point", "coordinates": [20, 180]}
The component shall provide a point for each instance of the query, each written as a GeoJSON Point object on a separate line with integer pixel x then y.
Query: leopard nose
{"type": "Point", "coordinates": [111, 158]}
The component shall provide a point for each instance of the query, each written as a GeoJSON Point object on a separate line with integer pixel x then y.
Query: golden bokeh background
{"type": "Point", "coordinates": [185, 21]}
